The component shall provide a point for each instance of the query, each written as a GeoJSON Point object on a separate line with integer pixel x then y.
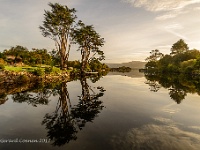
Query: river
{"type": "Point", "coordinates": [119, 112]}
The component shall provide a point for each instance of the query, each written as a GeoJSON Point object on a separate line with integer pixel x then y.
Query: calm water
{"type": "Point", "coordinates": [117, 112]}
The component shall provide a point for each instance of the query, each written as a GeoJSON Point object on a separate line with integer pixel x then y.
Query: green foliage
{"type": "Point", "coordinates": [188, 70]}
{"type": "Point", "coordinates": [48, 70]}
{"type": "Point", "coordinates": [179, 47]}
{"type": "Point", "coordinates": [193, 54]}
{"type": "Point", "coordinates": [55, 58]}
{"type": "Point", "coordinates": [75, 64]}
{"type": "Point", "coordinates": [154, 55]}
{"type": "Point", "coordinates": [2, 67]}
{"type": "Point", "coordinates": [188, 63]}
{"type": "Point", "coordinates": [121, 69]}
{"type": "Point", "coordinates": [197, 64]}
{"type": "Point", "coordinates": [57, 21]}
{"type": "Point", "coordinates": [55, 70]}
{"type": "Point", "coordinates": [17, 54]}
{"type": "Point", "coordinates": [21, 54]}
{"type": "Point", "coordinates": [58, 25]}
{"type": "Point", "coordinates": [181, 60]}
{"type": "Point", "coordinates": [97, 66]}
{"type": "Point", "coordinates": [89, 42]}
{"type": "Point", "coordinates": [12, 68]}
{"type": "Point", "coordinates": [151, 64]}
{"type": "Point", "coordinates": [38, 72]}
{"type": "Point", "coordinates": [172, 68]}
{"type": "Point", "coordinates": [39, 56]}
{"type": "Point", "coordinates": [2, 56]}
{"type": "Point", "coordinates": [2, 61]}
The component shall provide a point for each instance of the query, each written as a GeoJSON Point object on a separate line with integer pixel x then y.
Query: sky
{"type": "Point", "coordinates": [131, 28]}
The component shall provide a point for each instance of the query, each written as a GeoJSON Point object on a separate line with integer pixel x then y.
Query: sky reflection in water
{"type": "Point", "coordinates": [133, 117]}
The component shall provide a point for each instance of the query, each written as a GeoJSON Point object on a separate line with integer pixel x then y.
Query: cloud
{"type": "Point", "coordinates": [171, 8]}
{"type": "Point", "coordinates": [172, 28]}
{"type": "Point", "coordinates": [170, 14]}
{"type": "Point", "coordinates": [164, 5]}
{"type": "Point", "coordinates": [165, 46]}
{"type": "Point", "coordinates": [163, 134]}
{"type": "Point", "coordinates": [178, 35]}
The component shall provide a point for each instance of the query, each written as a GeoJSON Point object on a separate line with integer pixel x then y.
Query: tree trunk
{"type": "Point", "coordinates": [63, 53]}
{"type": "Point", "coordinates": [85, 56]}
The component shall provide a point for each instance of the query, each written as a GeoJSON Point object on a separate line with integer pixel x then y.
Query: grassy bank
{"type": "Point", "coordinates": [44, 69]}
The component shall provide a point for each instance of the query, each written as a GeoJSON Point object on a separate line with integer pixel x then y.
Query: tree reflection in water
{"type": "Point", "coordinates": [34, 98]}
{"type": "Point", "coordinates": [177, 84]}
{"type": "Point", "coordinates": [64, 123]}
{"type": "Point", "coordinates": [89, 104]}
{"type": "Point", "coordinates": [60, 124]}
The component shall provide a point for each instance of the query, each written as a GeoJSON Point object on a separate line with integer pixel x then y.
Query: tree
{"type": "Point", "coordinates": [18, 52]}
{"type": "Point", "coordinates": [89, 42]}
{"type": "Point", "coordinates": [197, 64]}
{"type": "Point", "coordinates": [165, 60]}
{"type": "Point", "coordinates": [154, 55]}
{"type": "Point", "coordinates": [41, 56]}
{"type": "Point", "coordinates": [96, 65]}
{"type": "Point", "coordinates": [2, 55]}
{"type": "Point", "coordinates": [58, 25]}
{"type": "Point", "coordinates": [179, 47]}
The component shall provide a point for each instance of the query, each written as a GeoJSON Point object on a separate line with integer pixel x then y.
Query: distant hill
{"type": "Point", "coordinates": [133, 64]}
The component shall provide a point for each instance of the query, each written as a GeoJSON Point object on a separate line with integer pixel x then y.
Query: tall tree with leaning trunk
{"type": "Point", "coordinates": [58, 25]}
{"type": "Point", "coordinates": [89, 43]}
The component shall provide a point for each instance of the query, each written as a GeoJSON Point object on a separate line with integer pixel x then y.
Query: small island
{"type": "Point", "coordinates": [121, 69]}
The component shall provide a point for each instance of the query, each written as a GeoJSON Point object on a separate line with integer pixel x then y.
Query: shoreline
{"type": "Point", "coordinates": [15, 82]}
{"type": "Point", "coordinates": [10, 77]}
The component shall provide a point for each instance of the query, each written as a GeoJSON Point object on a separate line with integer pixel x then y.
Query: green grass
{"type": "Point", "coordinates": [19, 69]}
{"type": "Point", "coordinates": [55, 70]}
{"type": "Point", "coordinates": [12, 68]}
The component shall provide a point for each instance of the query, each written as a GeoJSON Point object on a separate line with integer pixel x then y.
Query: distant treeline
{"type": "Point", "coordinates": [180, 60]}
{"type": "Point", "coordinates": [121, 69]}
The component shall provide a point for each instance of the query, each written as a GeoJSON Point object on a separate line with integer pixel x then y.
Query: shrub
{"type": "Point", "coordinates": [2, 66]}
{"type": "Point", "coordinates": [48, 70]}
{"type": "Point", "coordinates": [22, 79]}
{"type": "Point", "coordinates": [188, 70]}
{"type": "Point", "coordinates": [2, 61]}
{"type": "Point", "coordinates": [38, 72]}
{"type": "Point", "coordinates": [56, 70]}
